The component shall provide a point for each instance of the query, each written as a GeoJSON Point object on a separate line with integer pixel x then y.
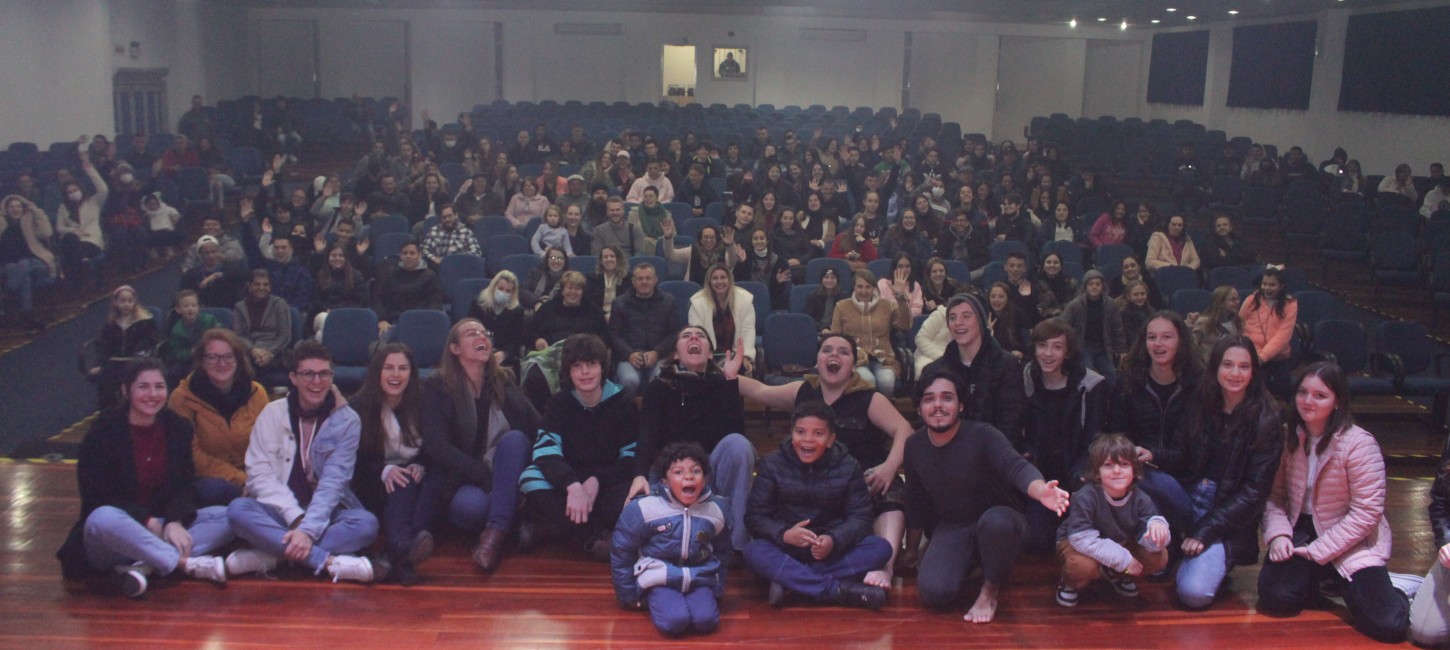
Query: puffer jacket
{"type": "Point", "coordinates": [830, 492]}
{"type": "Point", "coordinates": [1349, 501]}
{"type": "Point", "coordinates": [659, 541]}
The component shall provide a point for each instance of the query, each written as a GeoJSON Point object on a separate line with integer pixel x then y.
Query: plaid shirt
{"type": "Point", "coordinates": [291, 282]}
{"type": "Point", "coordinates": [440, 243]}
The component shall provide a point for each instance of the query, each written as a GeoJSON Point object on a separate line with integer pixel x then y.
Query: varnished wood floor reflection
{"type": "Point", "coordinates": [551, 599]}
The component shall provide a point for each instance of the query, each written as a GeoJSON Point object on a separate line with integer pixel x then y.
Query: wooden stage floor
{"type": "Point", "coordinates": [549, 599]}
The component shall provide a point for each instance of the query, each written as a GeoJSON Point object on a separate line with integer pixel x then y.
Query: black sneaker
{"type": "Point", "coordinates": [406, 574]}
{"type": "Point", "coordinates": [527, 536]}
{"type": "Point", "coordinates": [858, 594]}
{"type": "Point", "coordinates": [1121, 582]}
{"type": "Point", "coordinates": [776, 596]}
{"type": "Point", "coordinates": [421, 548]}
{"type": "Point", "coordinates": [1066, 596]}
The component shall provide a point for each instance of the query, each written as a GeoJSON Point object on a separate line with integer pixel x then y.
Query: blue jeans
{"type": "Point", "coordinates": [732, 465]}
{"type": "Point", "coordinates": [630, 378]}
{"type": "Point", "coordinates": [675, 613]}
{"type": "Point", "coordinates": [795, 570]}
{"type": "Point", "coordinates": [213, 491]}
{"type": "Point", "coordinates": [1170, 497]}
{"type": "Point", "coordinates": [1199, 577]}
{"type": "Point", "coordinates": [350, 531]}
{"type": "Point", "coordinates": [1041, 535]}
{"type": "Point", "coordinates": [880, 376]}
{"type": "Point", "coordinates": [20, 277]}
{"type": "Point", "coordinates": [1099, 360]}
{"type": "Point", "coordinates": [472, 508]}
{"type": "Point", "coordinates": [113, 537]}
{"type": "Point", "coordinates": [410, 509]}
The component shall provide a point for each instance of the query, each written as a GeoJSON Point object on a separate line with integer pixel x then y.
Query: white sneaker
{"type": "Point", "coordinates": [249, 560]}
{"type": "Point", "coordinates": [132, 578]}
{"type": "Point", "coordinates": [1407, 583]}
{"type": "Point", "coordinates": [350, 567]}
{"type": "Point", "coordinates": [207, 567]}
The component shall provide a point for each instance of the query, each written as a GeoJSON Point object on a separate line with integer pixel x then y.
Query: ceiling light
{"type": "Point", "coordinates": [1155, 21]}
{"type": "Point", "coordinates": [1124, 25]}
{"type": "Point", "coordinates": [1192, 17]}
{"type": "Point", "coordinates": [1072, 23]}
{"type": "Point", "coordinates": [1102, 20]}
{"type": "Point", "coordinates": [1233, 12]}
{"type": "Point", "coordinates": [1170, 9]}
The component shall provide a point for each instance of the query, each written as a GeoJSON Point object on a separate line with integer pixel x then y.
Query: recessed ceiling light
{"type": "Point", "coordinates": [1233, 12]}
{"type": "Point", "coordinates": [1072, 23]}
{"type": "Point", "coordinates": [1124, 24]}
{"type": "Point", "coordinates": [1192, 17]}
{"type": "Point", "coordinates": [1155, 21]}
{"type": "Point", "coordinates": [1102, 20]}
{"type": "Point", "coordinates": [1170, 9]}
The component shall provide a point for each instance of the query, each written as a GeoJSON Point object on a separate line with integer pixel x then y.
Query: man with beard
{"type": "Point", "coordinates": [865, 422]}
{"type": "Point", "coordinates": [961, 483]}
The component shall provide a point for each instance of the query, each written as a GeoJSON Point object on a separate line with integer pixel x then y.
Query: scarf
{"type": "Point", "coordinates": [226, 403]}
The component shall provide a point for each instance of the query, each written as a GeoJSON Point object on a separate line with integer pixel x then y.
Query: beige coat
{"type": "Point", "coordinates": [35, 225]}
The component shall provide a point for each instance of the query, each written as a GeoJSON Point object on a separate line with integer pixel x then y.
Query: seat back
{"type": "Point", "coordinates": [389, 245]}
{"type": "Point", "coordinates": [348, 332]}
{"type": "Point", "coordinates": [491, 226]}
{"type": "Point", "coordinates": [1408, 341]}
{"type": "Point", "coordinates": [1111, 256]}
{"type": "Point", "coordinates": [790, 339]}
{"type": "Point", "coordinates": [461, 266]}
{"type": "Point", "coordinates": [498, 247]}
{"type": "Point", "coordinates": [817, 267]}
{"type": "Point", "coordinates": [682, 290]}
{"type": "Point", "coordinates": [222, 315]}
{"type": "Point", "coordinates": [1172, 278]}
{"type": "Point", "coordinates": [426, 332]}
{"type": "Point", "coordinates": [384, 224]}
{"type": "Point", "coordinates": [1186, 301]}
{"type": "Point", "coordinates": [463, 293]}
{"type": "Point", "coordinates": [1346, 340]}
{"type": "Point", "coordinates": [521, 264]}
{"type": "Point", "coordinates": [799, 294]}
{"type": "Point", "coordinates": [761, 298]}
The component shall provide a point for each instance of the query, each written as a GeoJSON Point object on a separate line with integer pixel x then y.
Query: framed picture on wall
{"type": "Point", "coordinates": [730, 63]}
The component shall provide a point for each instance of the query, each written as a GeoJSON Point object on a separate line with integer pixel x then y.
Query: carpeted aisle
{"type": "Point", "coordinates": [41, 391]}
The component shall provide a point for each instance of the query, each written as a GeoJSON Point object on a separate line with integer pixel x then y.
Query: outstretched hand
{"type": "Point", "coordinates": [733, 359]}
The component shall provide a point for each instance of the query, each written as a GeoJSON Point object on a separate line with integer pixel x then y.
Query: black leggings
{"type": "Point", "coordinates": [1376, 608]}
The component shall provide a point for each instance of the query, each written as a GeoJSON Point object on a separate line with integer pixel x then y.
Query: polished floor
{"type": "Point", "coordinates": [552, 598]}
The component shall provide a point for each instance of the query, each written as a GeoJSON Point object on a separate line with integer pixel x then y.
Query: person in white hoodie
{"type": "Point", "coordinates": [162, 219]}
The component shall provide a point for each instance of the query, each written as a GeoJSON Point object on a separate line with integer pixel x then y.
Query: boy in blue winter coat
{"type": "Point", "coordinates": [670, 547]}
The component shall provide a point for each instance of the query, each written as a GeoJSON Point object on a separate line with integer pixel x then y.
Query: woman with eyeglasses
{"type": "Point", "coordinates": [222, 401]}
{"type": "Point", "coordinates": [474, 420]}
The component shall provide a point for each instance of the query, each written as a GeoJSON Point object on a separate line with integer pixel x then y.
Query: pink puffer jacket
{"type": "Point", "coordinates": [1349, 502]}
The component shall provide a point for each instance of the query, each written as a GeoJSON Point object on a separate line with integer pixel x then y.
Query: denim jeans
{"type": "Point", "coordinates": [1170, 497]}
{"type": "Point", "coordinates": [410, 509]}
{"type": "Point", "coordinates": [1099, 360]}
{"type": "Point", "coordinates": [350, 531]}
{"type": "Point", "coordinates": [798, 572]}
{"type": "Point", "coordinates": [113, 537]}
{"type": "Point", "coordinates": [213, 491]}
{"type": "Point", "coordinates": [1430, 611]}
{"type": "Point", "coordinates": [20, 277]}
{"type": "Point", "coordinates": [472, 508]}
{"type": "Point", "coordinates": [732, 464]}
{"type": "Point", "coordinates": [630, 379]}
{"type": "Point", "coordinates": [1199, 577]}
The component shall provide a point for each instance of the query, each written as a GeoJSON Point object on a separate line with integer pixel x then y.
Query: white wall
{"type": "Point", "coordinates": [1111, 80]}
{"type": "Point", "coordinates": [56, 72]}
{"type": "Point", "coordinates": [955, 75]}
{"type": "Point", "coordinates": [369, 57]}
{"type": "Point", "coordinates": [1037, 76]}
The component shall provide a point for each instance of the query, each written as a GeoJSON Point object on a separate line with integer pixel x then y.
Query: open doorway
{"type": "Point", "coordinates": [677, 66]}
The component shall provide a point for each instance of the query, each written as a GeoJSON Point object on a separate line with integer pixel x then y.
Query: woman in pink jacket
{"type": "Point", "coordinates": [1269, 315]}
{"type": "Point", "coordinates": [1325, 517]}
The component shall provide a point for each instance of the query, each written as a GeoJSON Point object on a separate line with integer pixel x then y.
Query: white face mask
{"type": "Point", "coordinates": [450, 143]}
{"type": "Point", "coordinates": [282, 138]}
{"type": "Point", "coordinates": [127, 178]}
{"type": "Point", "coordinates": [502, 297]}
{"type": "Point", "coordinates": [74, 196]}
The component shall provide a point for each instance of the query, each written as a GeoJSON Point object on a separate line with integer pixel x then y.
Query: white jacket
{"type": "Point", "coordinates": [334, 454]}
{"type": "Point", "coordinates": [702, 313]}
{"type": "Point", "coordinates": [931, 339]}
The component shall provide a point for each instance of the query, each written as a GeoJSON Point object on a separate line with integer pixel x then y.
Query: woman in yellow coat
{"type": "Point", "coordinates": [221, 401]}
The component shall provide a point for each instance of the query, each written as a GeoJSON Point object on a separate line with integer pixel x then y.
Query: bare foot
{"type": "Point", "coordinates": [879, 578]}
{"type": "Point", "coordinates": [985, 608]}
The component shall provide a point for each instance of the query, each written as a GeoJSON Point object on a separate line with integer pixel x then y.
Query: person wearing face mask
{"type": "Point", "coordinates": [498, 308]}
{"type": "Point", "coordinates": [78, 221]}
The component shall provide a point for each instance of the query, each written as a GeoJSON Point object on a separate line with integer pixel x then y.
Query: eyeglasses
{"type": "Point", "coordinates": [219, 359]}
{"type": "Point", "coordinates": [470, 333]}
{"type": "Point", "coordinates": [314, 375]}
{"type": "Point", "coordinates": [555, 258]}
